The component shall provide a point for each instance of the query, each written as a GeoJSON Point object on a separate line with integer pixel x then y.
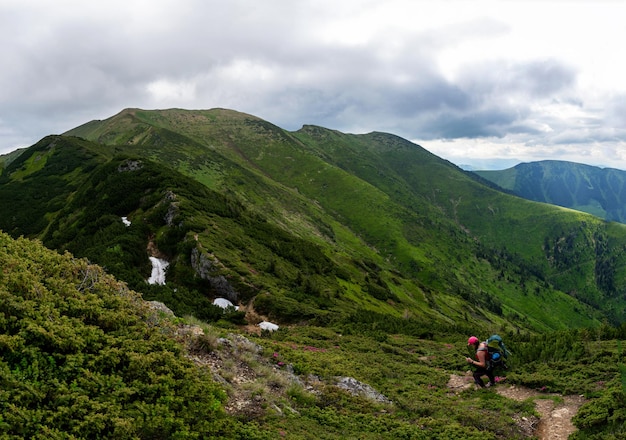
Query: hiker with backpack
{"type": "Point", "coordinates": [482, 364]}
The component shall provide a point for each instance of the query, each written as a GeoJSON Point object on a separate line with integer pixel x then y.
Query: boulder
{"type": "Point", "coordinates": [355, 387]}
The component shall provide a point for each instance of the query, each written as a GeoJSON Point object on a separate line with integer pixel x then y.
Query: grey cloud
{"type": "Point", "coordinates": [433, 97]}
{"type": "Point", "coordinates": [494, 122]}
{"type": "Point", "coordinates": [374, 104]}
{"type": "Point", "coordinates": [64, 70]}
{"type": "Point", "coordinates": [615, 110]}
{"type": "Point", "coordinates": [495, 101]}
{"type": "Point", "coordinates": [480, 104]}
{"type": "Point", "coordinates": [541, 78]}
{"type": "Point", "coordinates": [581, 137]}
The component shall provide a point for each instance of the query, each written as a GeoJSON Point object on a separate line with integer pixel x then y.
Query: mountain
{"type": "Point", "coordinates": [310, 226]}
{"type": "Point", "coordinates": [376, 258]}
{"type": "Point", "coordinates": [598, 191]}
{"type": "Point", "coordinates": [6, 159]}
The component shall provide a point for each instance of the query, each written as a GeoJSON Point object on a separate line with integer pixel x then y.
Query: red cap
{"type": "Point", "coordinates": [473, 340]}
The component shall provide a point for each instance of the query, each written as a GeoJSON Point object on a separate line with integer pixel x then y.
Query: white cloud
{"type": "Point", "coordinates": [471, 80]}
{"type": "Point", "coordinates": [167, 91]}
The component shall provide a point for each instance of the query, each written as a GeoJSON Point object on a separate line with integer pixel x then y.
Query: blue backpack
{"type": "Point", "coordinates": [498, 353]}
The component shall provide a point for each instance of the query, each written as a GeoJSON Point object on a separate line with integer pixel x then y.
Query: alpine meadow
{"type": "Point", "coordinates": [375, 258]}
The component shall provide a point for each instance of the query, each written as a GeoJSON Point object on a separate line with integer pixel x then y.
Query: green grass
{"type": "Point", "coordinates": [32, 165]}
{"type": "Point", "coordinates": [408, 371]}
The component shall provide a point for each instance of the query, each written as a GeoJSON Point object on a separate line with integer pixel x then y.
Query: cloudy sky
{"type": "Point", "coordinates": [482, 83]}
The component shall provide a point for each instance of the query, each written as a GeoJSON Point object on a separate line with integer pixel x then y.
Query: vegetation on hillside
{"type": "Point", "coordinates": [81, 356]}
{"type": "Point", "coordinates": [419, 223]}
{"type": "Point", "coordinates": [330, 223]}
{"type": "Point", "coordinates": [375, 253]}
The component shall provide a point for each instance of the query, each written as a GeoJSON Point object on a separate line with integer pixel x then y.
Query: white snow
{"type": "Point", "coordinates": [270, 326]}
{"type": "Point", "coordinates": [224, 303]}
{"type": "Point", "coordinates": [126, 221]}
{"type": "Point", "coordinates": [158, 271]}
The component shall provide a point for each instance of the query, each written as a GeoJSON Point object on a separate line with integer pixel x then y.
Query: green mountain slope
{"type": "Point", "coordinates": [314, 225]}
{"type": "Point", "coordinates": [6, 159]}
{"type": "Point", "coordinates": [598, 191]}
{"type": "Point", "coordinates": [82, 356]}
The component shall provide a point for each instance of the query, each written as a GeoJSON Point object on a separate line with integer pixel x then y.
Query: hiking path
{"type": "Point", "coordinates": [555, 411]}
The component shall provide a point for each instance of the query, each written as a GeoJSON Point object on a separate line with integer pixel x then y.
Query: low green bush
{"type": "Point", "coordinates": [82, 357]}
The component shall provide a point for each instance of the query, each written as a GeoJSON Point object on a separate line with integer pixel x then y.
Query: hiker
{"type": "Point", "coordinates": [482, 364]}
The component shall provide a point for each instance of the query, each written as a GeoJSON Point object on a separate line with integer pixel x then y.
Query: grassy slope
{"type": "Point", "coordinates": [487, 215]}
{"type": "Point", "coordinates": [6, 159]}
{"type": "Point", "coordinates": [376, 191]}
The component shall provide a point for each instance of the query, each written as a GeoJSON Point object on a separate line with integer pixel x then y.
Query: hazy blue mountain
{"type": "Point", "coordinates": [598, 191]}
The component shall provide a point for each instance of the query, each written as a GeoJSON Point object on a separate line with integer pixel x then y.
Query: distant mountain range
{"type": "Point", "coordinates": [598, 191]}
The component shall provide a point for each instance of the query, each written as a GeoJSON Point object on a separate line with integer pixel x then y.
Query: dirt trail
{"type": "Point", "coordinates": [556, 411]}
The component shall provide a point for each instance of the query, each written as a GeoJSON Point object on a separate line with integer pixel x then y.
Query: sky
{"type": "Point", "coordinates": [484, 84]}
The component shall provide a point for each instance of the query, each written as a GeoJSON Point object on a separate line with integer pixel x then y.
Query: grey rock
{"type": "Point", "coordinates": [160, 307]}
{"type": "Point", "coordinates": [357, 388]}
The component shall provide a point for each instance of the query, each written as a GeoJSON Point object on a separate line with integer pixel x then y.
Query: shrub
{"type": "Point", "coordinates": [80, 357]}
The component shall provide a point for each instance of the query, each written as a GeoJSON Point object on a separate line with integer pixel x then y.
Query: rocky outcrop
{"type": "Point", "coordinates": [222, 287]}
{"type": "Point", "coordinates": [236, 362]}
{"type": "Point", "coordinates": [357, 388]}
{"type": "Point", "coordinates": [202, 264]}
{"type": "Point", "coordinates": [172, 209]}
{"type": "Point", "coordinates": [130, 165]}
{"type": "Point", "coordinates": [206, 267]}
{"type": "Point", "coordinates": [159, 307]}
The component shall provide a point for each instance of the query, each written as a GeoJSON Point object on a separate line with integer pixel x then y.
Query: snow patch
{"type": "Point", "coordinates": [158, 271]}
{"type": "Point", "coordinates": [126, 221]}
{"type": "Point", "coordinates": [224, 303]}
{"type": "Point", "coordinates": [269, 326]}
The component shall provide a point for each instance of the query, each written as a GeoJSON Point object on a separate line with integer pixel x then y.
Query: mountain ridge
{"type": "Point", "coordinates": [373, 201]}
